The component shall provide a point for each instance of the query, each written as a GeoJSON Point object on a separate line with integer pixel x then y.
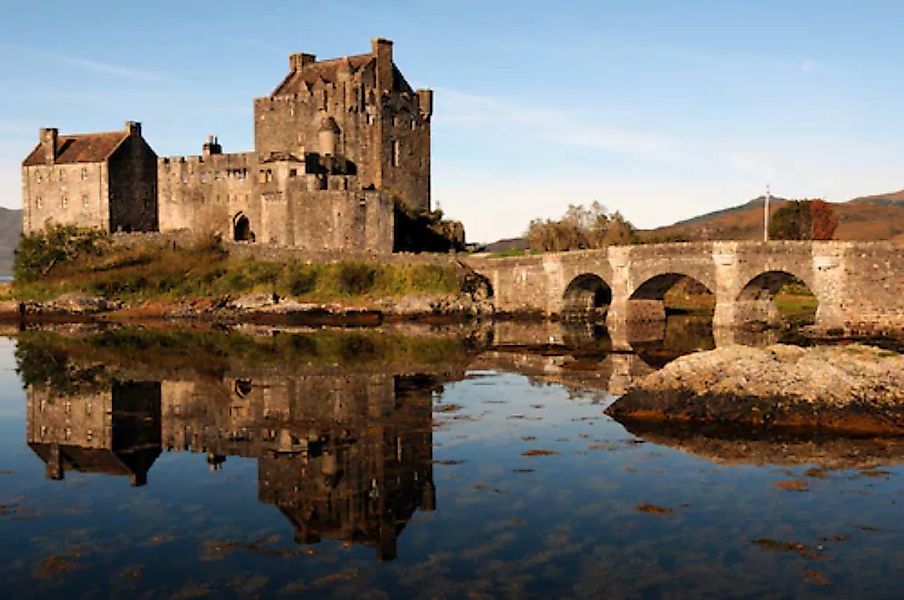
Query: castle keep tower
{"type": "Point", "coordinates": [381, 126]}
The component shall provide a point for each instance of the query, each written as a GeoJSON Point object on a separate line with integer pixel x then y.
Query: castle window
{"type": "Point", "coordinates": [64, 203]}
{"type": "Point", "coordinates": [38, 202]}
{"type": "Point", "coordinates": [84, 173]}
{"type": "Point", "coordinates": [62, 175]}
{"type": "Point", "coordinates": [396, 153]}
{"type": "Point", "coordinates": [269, 175]}
{"type": "Point", "coordinates": [293, 172]}
{"type": "Point", "coordinates": [85, 201]}
{"type": "Point", "coordinates": [217, 175]}
{"type": "Point", "coordinates": [38, 176]}
{"type": "Point", "coordinates": [413, 124]}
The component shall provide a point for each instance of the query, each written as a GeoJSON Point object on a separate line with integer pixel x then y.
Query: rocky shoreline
{"type": "Point", "coordinates": [252, 308]}
{"type": "Point", "coordinates": [851, 389]}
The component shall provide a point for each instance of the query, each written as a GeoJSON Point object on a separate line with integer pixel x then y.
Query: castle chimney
{"type": "Point", "coordinates": [425, 103]}
{"type": "Point", "coordinates": [298, 61]}
{"type": "Point", "coordinates": [49, 144]}
{"type": "Point", "coordinates": [211, 146]}
{"type": "Point", "coordinates": [382, 50]}
{"type": "Point", "coordinates": [133, 127]}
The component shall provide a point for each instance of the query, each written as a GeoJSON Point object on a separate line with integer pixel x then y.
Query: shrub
{"type": "Point", "coordinates": [39, 252]}
{"type": "Point", "coordinates": [301, 279]}
{"type": "Point", "coordinates": [356, 279]}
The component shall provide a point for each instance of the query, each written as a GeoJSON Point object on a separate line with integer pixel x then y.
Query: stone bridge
{"type": "Point", "coordinates": [859, 285]}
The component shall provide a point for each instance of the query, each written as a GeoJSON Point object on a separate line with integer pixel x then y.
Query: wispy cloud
{"type": "Point", "coordinates": [457, 109]}
{"type": "Point", "coordinates": [88, 64]}
{"type": "Point", "coordinates": [106, 68]}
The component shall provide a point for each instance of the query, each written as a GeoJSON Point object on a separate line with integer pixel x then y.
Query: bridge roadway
{"type": "Point", "coordinates": [859, 285]}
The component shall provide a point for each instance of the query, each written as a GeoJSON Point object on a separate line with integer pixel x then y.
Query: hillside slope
{"type": "Point", "coordinates": [867, 218]}
{"type": "Point", "coordinates": [10, 230]}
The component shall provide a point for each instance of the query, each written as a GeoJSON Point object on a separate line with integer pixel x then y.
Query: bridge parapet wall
{"type": "Point", "coordinates": [859, 285]}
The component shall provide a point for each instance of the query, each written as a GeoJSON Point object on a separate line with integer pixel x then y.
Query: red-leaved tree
{"type": "Point", "coordinates": [823, 220]}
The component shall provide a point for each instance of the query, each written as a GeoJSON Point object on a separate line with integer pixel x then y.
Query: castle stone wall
{"type": "Point", "coordinates": [70, 193]}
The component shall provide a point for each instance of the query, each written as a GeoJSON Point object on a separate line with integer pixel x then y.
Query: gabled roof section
{"type": "Point", "coordinates": [80, 148]}
{"type": "Point", "coordinates": [326, 70]}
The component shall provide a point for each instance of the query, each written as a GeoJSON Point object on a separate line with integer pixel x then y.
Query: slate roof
{"type": "Point", "coordinates": [327, 70]}
{"type": "Point", "coordinates": [80, 148]}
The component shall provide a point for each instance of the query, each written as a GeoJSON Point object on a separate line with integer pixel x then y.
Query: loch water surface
{"type": "Point", "coordinates": [330, 464]}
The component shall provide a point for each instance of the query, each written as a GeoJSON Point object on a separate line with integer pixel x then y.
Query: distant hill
{"type": "Point", "coordinates": [868, 218]}
{"type": "Point", "coordinates": [879, 217]}
{"type": "Point", "coordinates": [10, 230]}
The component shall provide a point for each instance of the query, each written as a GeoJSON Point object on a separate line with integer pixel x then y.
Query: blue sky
{"type": "Point", "coordinates": [661, 110]}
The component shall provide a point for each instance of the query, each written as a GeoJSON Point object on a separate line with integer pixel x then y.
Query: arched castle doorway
{"type": "Point", "coordinates": [241, 229]}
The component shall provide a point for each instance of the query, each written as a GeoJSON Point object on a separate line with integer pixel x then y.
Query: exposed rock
{"type": "Point", "coordinates": [74, 304]}
{"type": "Point", "coordinates": [250, 301]}
{"type": "Point", "coordinates": [855, 388]}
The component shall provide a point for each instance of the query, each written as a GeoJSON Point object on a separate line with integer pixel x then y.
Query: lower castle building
{"type": "Point", "coordinates": [339, 145]}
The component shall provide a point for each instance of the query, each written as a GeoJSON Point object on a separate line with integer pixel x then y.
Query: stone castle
{"type": "Point", "coordinates": [338, 145]}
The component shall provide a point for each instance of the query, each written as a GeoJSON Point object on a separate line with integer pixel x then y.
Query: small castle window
{"type": "Point", "coordinates": [413, 125]}
{"type": "Point", "coordinates": [217, 175]}
{"type": "Point", "coordinates": [38, 176]}
{"type": "Point", "coordinates": [85, 201]}
{"type": "Point", "coordinates": [293, 172]}
{"type": "Point", "coordinates": [84, 173]}
{"type": "Point", "coordinates": [396, 153]}
{"type": "Point", "coordinates": [269, 175]}
{"type": "Point", "coordinates": [62, 175]}
{"type": "Point", "coordinates": [64, 203]}
{"type": "Point", "coordinates": [39, 203]}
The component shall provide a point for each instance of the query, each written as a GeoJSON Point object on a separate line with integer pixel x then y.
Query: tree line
{"type": "Point", "coordinates": [583, 228]}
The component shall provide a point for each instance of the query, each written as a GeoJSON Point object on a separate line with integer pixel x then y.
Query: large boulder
{"type": "Point", "coordinates": [853, 388]}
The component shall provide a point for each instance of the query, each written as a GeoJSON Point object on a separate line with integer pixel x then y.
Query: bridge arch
{"type": "Point", "coordinates": [650, 301]}
{"type": "Point", "coordinates": [586, 296]}
{"type": "Point", "coordinates": [756, 302]}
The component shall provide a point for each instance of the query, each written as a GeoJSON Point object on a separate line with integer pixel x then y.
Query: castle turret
{"type": "Point", "coordinates": [328, 137]}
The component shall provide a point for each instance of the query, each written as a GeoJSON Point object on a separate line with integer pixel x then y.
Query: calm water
{"type": "Point", "coordinates": [363, 464]}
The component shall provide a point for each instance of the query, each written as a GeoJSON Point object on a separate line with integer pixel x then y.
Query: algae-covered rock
{"type": "Point", "coordinates": [853, 388]}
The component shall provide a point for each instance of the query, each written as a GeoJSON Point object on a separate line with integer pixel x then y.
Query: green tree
{"type": "Point", "coordinates": [580, 228]}
{"type": "Point", "coordinates": [803, 220]}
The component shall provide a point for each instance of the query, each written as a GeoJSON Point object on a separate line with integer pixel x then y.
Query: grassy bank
{"type": "Point", "coordinates": [69, 260]}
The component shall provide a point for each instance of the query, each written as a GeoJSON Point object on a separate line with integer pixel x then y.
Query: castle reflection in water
{"type": "Point", "coordinates": [345, 457]}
